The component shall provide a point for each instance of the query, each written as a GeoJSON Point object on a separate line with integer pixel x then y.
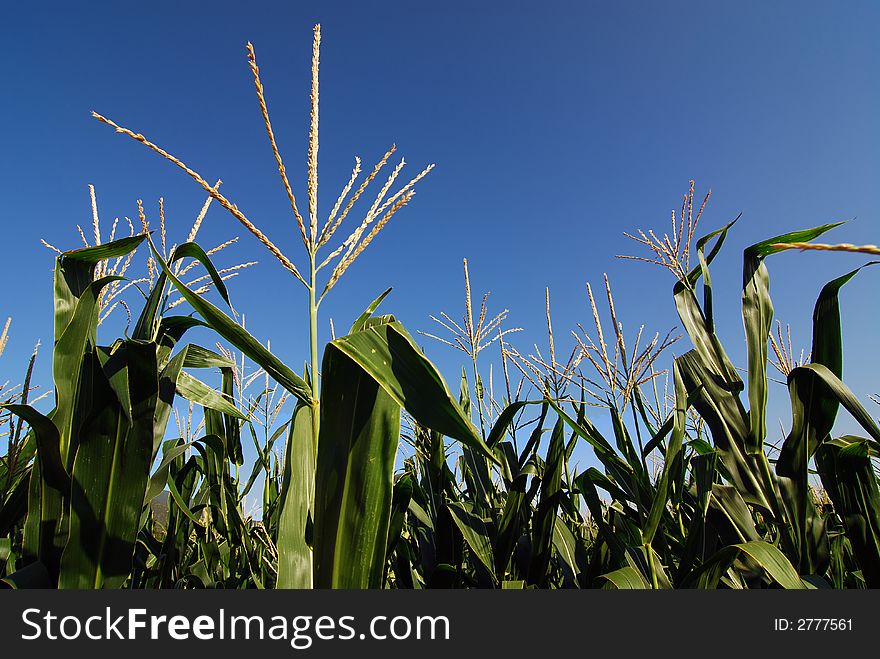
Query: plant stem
{"type": "Point", "coordinates": [654, 583]}
{"type": "Point", "coordinates": [776, 507]}
{"type": "Point", "coordinates": [478, 390]}
{"type": "Point", "coordinates": [313, 341]}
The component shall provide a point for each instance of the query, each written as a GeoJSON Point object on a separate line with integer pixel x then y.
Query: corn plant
{"type": "Point", "coordinates": [365, 377]}
{"type": "Point", "coordinates": [94, 450]}
{"type": "Point", "coordinates": [15, 466]}
{"type": "Point", "coordinates": [370, 490]}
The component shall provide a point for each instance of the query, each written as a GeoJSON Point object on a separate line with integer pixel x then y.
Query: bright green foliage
{"type": "Point", "coordinates": [685, 499]}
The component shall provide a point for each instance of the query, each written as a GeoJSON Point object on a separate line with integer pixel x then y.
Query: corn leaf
{"type": "Point", "coordinates": [392, 359]}
{"type": "Point", "coordinates": [239, 337]}
{"type": "Point", "coordinates": [112, 466]}
{"type": "Point", "coordinates": [297, 495]}
{"type": "Point", "coordinates": [473, 529]}
{"type": "Point", "coordinates": [360, 426]}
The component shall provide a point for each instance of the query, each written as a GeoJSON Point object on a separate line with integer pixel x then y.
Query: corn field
{"type": "Point", "coordinates": [373, 471]}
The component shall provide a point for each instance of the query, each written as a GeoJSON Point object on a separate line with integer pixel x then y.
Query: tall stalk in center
{"type": "Point", "coordinates": [313, 239]}
{"type": "Point", "coordinates": [296, 571]}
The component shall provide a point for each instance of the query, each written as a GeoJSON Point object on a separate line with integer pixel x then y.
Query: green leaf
{"type": "Point", "coordinates": [502, 423]}
{"type": "Point", "coordinates": [172, 450]}
{"type": "Point", "coordinates": [199, 357]}
{"type": "Point", "coordinates": [516, 510]}
{"type": "Point", "coordinates": [661, 495]}
{"type": "Point", "coordinates": [360, 428]}
{"type": "Point", "coordinates": [841, 392]}
{"type": "Point", "coordinates": [728, 422]}
{"type": "Point", "coordinates": [766, 247]}
{"type": "Point", "coordinates": [239, 337]}
{"type": "Point", "coordinates": [33, 575]}
{"type": "Point", "coordinates": [111, 468]}
{"type": "Point", "coordinates": [403, 491]}
{"type": "Point", "coordinates": [768, 557]}
{"type": "Point", "coordinates": [48, 441]}
{"type": "Point", "coordinates": [727, 500]}
{"type": "Point", "coordinates": [361, 322]}
{"type": "Point", "coordinates": [390, 356]}
{"type": "Point", "coordinates": [548, 505]}
{"type": "Point", "coordinates": [150, 320]}
{"type": "Point", "coordinates": [597, 478]}
{"type": "Point", "coordinates": [297, 497]}
{"type": "Point", "coordinates": [703, 268]}
{"type": "Point", "coordinates": [76, 338]}
{"type": "Point", "coordinates": [757, 312]}
{"type": "Point", "coordinates": [814, 408]}
{"type": "Point", "coordinates": [75, 328]}
{"type": "Point", "coordinates": [198, 392]}
{"type": "Point", "coordinates": [626, 578]}
{"type": "Point", "coordinates": [89, 256]}
{"type": "Point", "coordinates": [827, 349]}
{"type": "Point", "coordinates": [473, 530]}
{"type": "Point", "coordinates": [619, 469]}
{"type": "Point", "coordinates": [698, 322]}
{"type": "Point", "coordinates": [566, 549]}
{"type": "Point", "coordinates": [848, 477]}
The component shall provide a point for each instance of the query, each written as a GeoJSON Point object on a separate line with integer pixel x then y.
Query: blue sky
{"type": "Point", "coordinates": [555, 127]}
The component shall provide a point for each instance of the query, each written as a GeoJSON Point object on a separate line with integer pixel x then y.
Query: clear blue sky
{"type": "Point", "coordinates": [555, 127]}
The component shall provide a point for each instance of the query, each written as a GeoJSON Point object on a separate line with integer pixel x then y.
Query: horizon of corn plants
{"type": "Point", "coordinates": [686, 494]}
{"type": "Point", "coordinates": [486, 488]}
